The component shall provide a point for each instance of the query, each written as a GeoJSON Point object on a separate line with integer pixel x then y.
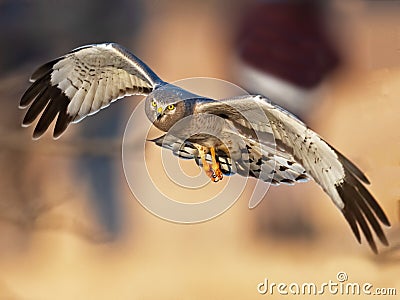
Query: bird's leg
{"type": "Point", "coordinates": [211, 170]}
{"type": "Point", "coordinates": [215, 166]}
{"type": "Point", "coordinates": [202, 152]}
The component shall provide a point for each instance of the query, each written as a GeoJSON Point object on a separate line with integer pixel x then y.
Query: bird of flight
{"type": "Point", "coordinates": [89, 78]}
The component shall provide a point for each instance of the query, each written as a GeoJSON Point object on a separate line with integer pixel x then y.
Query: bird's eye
{"type": "Point", "coordinates": [171, 107]}
{"type": "Point", "coordinates": [153, 103]}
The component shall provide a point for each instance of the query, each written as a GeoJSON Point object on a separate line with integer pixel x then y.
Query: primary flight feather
{"type": "Point", "coordinates": [89, 78]}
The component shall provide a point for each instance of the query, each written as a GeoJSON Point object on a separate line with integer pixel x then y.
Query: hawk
{"type": "Point", "coordinates": [91, 77]}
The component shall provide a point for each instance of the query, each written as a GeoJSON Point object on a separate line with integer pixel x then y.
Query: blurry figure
{"type": "Point", "coordinates": [284, 53]}
{"type": "Point", "coordinates": [35, 33]}
{"type": "Point", "coordinates": [100, 171]}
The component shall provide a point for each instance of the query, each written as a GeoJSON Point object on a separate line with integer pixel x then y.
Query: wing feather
{"type": "Point", "coordinates": [89, 78]}
{"type": "Point", "coordinates": [255, 162]}
{"type": "Point", "coordinates": [47, 117]}
{"type": "Point", "coordinates": [338, 177]}
{"type": "Point", "coordinates": [36, 88]}
{"type": "Point", "coordinates": [99, 95]}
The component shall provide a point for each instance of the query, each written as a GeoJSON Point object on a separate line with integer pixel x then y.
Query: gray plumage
{"type": "Point", "coordinates": [251, 135]}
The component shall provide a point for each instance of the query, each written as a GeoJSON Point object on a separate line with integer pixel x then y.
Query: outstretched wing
{"type": "Point", "coordinates": [81, 83]}
{"type": "Point", "coordinates": [337, 176]}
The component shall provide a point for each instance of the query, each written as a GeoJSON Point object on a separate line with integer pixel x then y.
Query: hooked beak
{"type": "Point", "coordinates": [159, 113]}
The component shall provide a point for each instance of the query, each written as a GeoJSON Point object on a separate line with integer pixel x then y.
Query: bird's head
{"type": "Point", "coordinates": [167, 105]}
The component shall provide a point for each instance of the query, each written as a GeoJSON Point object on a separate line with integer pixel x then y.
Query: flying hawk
{"type": "Point", "coordinates": [89, 78]}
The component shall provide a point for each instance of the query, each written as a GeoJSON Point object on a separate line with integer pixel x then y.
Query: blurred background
{"type": "Point", "coordinates": [69, 226]}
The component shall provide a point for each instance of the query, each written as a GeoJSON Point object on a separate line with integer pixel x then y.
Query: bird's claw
{"type": "Point", "coordinates": [214, 173]}
{"type": "Point", "coordinates": [217, 176]}
{"type": "Point", "coordinates": [212, 170]}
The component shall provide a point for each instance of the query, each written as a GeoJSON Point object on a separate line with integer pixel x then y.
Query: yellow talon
{"type": "Point", "coordinates": [215, 166]}
{"type": "Point", "coordinates": [212, 170]}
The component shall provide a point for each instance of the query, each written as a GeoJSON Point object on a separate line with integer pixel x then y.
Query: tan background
{"type": "Point", "coordinates": [52, 245]}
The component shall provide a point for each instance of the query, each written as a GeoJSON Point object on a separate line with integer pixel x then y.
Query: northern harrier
{"type": "Point", "coordinates": [89, 78]}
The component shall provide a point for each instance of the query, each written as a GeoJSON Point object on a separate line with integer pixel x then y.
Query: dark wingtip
{"type": "Point", "coordinates": [63, 119]}
{"type": "Point", "coordinates": [350, 167]}
{"type": "Point", "coordinates": [34, 90]}
{"type": "Point", "coordinates": [351, 221]}
{"type": "Point", "coordinates": [353, 168]}
{"type": "Point", "coordinates": [362, 211]}
{"type": "Point", "coordinates": [49, 101]}
{"type": "Point", "coordinates": [38, 105]}
{"type": "Point", "coordinates": [372, 203]}
{"type": "Point", "coordinates": [46, 118]}
{"type": "Point", "coordinates": [44, 69]}
{"type": "Point", "coordinates": [36, 135]}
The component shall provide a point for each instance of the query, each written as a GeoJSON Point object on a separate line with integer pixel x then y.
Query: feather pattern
{"type": "Point", "coordinates": [337, 176]}
{"type": "Point", "coordinates": [82, 82]}
{"type": "Point", "coordinates": [271, 167]}
{"type": "Point", "coordinates": [258, 138]}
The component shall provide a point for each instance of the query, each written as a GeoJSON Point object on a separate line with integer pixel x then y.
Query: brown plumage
{"type": "Point", "coordinates": [247, 135]}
